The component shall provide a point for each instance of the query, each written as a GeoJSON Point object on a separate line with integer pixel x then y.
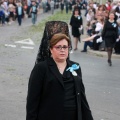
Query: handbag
{"type": "Point", "coordinates": [81, 30]}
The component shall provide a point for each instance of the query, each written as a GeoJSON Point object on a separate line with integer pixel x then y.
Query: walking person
{"type": "Point", "coordinates": [110, 34]}
{"type": "Point", "coordinates": [62, 6]}
{"type": "Point", "coordinates": [67, 6]}
{"type": "Point", "coordinates": [2, 13]}
{"type": "Point", "coordinates": [52, 5]}
{"type": "Point", "coordinates": [56, 90]}
{"type": "Point", "coordinates": [33, 11]}
{"type": "Point", "coordinates": [1, 16]}
{"type": "Point", "coordinates": [117, 44]}
{"type": "Point", "coordinates": [70, 5]}
{"type": "Point", "coordinates": [76, 23]}
{"type": "Point", "coordinates": [19, 13]}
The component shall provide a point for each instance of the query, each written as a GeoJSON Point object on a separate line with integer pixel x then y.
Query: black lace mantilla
{"type": "Point", "coordinates": [51, 28]}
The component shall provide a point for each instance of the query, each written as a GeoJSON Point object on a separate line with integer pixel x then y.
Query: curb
{"type": "Point", "coordinates": [102, 54]}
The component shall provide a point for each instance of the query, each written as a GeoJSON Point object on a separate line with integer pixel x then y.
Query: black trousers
{"type": "Point", "coordinates": [70, 115]}
{"type": "Point", "coordinates": [19, 19]}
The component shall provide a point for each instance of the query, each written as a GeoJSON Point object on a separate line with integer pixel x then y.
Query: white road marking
{"type": "Point", "coordinates": [25, 47]}
{"type": "Point", "coordinates": [26, 41]}
{"type": "Point", "coordinates": [10, 45]}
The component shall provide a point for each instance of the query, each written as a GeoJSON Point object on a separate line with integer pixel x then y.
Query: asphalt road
{"type": "Point", "coordinates": [102, 82]}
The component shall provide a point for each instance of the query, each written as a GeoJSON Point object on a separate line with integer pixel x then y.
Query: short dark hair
{"type": "Point", "coordinates": [109, 1]}
{"type": "Point", "coordinates": [76, 9]}
{"type": "Point", "coordinates": [58, 37]}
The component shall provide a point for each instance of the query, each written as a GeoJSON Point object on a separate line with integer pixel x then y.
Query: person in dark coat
{"type": "Point", "coordinates": [117, 44]}
{"type": "Point", "coordinates": [110, 34]}
{"type": "Point", "coordinates": [76, 23]}
{"type": "Point", "coordinates": [19, 13]}
{"type": "Point", "coordinates": [70, 5]}
{"type": "Point", "coordinates": [62, 6]}
{"type": "Point", "coordinates": [117, 10]}
{"type": "Point", "coordinates": [55, 89]}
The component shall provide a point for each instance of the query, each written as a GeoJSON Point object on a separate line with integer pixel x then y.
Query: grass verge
{"type": "Point", "coordinates": [58, 16]}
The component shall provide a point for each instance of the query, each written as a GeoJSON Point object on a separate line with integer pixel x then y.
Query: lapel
{"type": "Point", "coordinates": [53, 68]}
{"type": "Point", "coordinates": [76, 78]}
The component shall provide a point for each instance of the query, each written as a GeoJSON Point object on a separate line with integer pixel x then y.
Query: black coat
{"type": "Point", "coordinates": [117, 9]}
{"type": "Point", "coordinates": [110, 33]}
{"type": "Point", "coordinates": [45, 100]}
{"type": "Point", "coordinates": [76, 23]}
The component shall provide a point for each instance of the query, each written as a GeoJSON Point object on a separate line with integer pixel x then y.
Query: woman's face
{"type": "Point", "coordinates": [101, 8]}
{"type": "Point", "coordinates": [60, 50]}
{"type": "Point", "coordinates": [76, 12]}
{"type": "Point", "coordinates": [111, 16]}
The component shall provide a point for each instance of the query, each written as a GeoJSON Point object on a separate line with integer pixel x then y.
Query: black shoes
{"type": "Point", "coordinates": [110, 62]}
{"type": "Point", "coordinates": [83, 51]}
{"type": "Point", "coordinates": [75, 49]}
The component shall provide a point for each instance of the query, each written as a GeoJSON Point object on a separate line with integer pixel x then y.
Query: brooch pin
{"type": "Point", "coordinates": [73, 68]}
{"type": "Point", "coordinates": [78, 17]}
{"type": "Point", "coordinates": [114, 25]}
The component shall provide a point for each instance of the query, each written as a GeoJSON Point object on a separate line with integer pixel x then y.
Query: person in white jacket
{"type": "Point", "coordinates": [52, 4]}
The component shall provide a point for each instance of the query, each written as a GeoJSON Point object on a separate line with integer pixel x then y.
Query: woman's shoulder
{"type": "Point", "coordinates": [106, 22]}
{"type": "Point", "coordinates": [41, 65]}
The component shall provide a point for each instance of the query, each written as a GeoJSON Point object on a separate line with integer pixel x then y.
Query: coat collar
{"type": "Point", "coordinates": [55, 71]}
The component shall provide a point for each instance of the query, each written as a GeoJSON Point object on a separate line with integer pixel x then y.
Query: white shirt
{"type": "Point", "coordinates": [99, 26]}
{"type": "Point", "coordinates": [52, 4]}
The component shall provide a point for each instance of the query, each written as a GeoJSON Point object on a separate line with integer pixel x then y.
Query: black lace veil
{"type": "Point", "coordinates": [51, 28]}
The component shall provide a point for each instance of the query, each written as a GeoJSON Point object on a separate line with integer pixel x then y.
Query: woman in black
{"type": "Point", "coordinates": [62, 6]}
{"type": "Point", "coordinates": [76, 23]}
{"type": "Point", "coordinates": [110, 34]}
{"type": "Point", "coordinates": [117, 44]}
{"type": "Point", "coordinates": [56, 90]}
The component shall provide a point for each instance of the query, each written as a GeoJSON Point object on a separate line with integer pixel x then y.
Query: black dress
{"type": "Point", "coordinates": [70, 102]}
{"type": "Point", "coordinates": [76, 23]}
{"type": "Point", "coordinates": [110, 33]}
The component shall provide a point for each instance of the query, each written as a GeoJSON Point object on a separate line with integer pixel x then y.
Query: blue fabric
{"type": "Point", "coordinates": [34, 9]}
{"type": "Point", "coordinates": [87, 43]}
{"type": "Point", "coordinates": [119, 30]}
{"type": "Point", "coordinates": [1, 13]}
{"type": "Point", "coordinates": [34, 18]}
{"type": "Point", "coordinates": [19, 19]}
{"type": "Point", "coordinates": [19, 10]}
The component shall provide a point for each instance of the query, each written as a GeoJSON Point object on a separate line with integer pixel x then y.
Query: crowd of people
{"type": "Point", "coordinates": [12, 10]}
{"type": "Point", "coordinates": [102, 28]}
{"type": "Point", "coordinates": [16, 10]}
{"type": "Point", "coordinates": [97, 16]}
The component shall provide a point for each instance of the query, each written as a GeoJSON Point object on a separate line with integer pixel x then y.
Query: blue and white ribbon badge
{"type": "Point", "coordinates": [114, 24]}
{"type": "Point", "coordinates": [78, 17]}
{"type": "Point", "coordinates": [73, 68]}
